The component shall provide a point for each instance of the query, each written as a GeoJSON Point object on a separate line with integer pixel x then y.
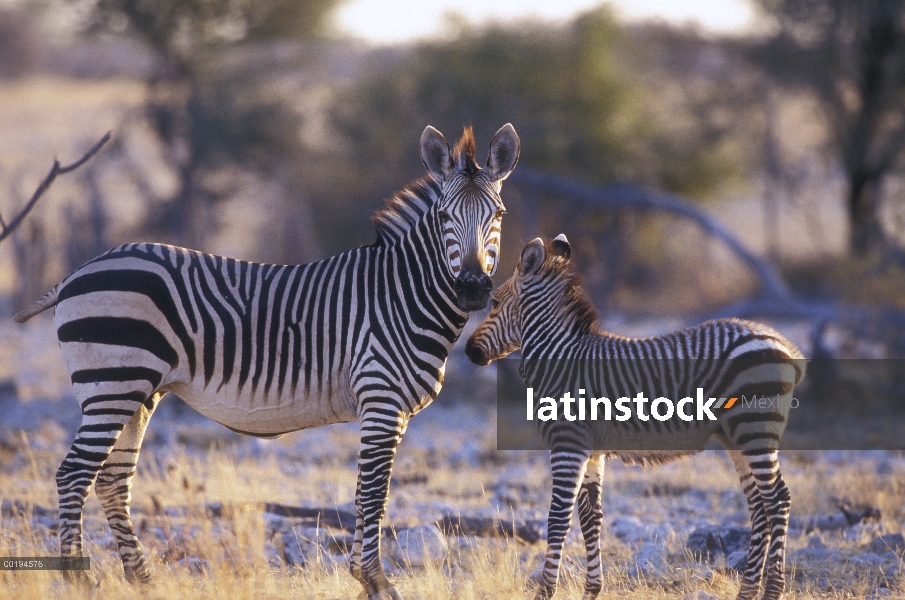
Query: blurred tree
{"type": "Point", "coordinates": [851, 55]}
{"type": "Point", "coordinates": [210, 99]}
{"type": "Point", "coordinates": [577, 95]}
{"type": "Point", "coordinates": [18, 43]}
{"type": "Point", "coordinates": [591, 99]}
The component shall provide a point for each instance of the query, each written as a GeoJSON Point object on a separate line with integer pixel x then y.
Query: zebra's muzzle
{"type": "Point", "coordinates": [472, 290]}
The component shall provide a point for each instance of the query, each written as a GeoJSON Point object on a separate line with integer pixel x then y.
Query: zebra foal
{"type": "Point", "coordinates": [543, 310]}
{"type": "Point", "coordinates": [270, 349]}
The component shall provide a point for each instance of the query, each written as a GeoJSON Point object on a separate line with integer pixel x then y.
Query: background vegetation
{"type": "Point", "coordinates": [253, 129]}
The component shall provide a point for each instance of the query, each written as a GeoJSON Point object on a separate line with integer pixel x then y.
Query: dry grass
{"type": "Point", "coordinates": [234, 545]}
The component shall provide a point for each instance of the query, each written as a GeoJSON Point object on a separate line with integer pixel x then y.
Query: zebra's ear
{"type": "Point", "coordinates": [435, 154]}
{"type": "Point", "coordinates": [532, 257]}
{"type": "Point", "coordinates": [561, 247]}
{"type": "Point", "coordinates": [504, 151]}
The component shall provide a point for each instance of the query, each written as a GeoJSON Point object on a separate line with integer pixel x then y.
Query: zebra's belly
{"type": "Point", "coordinates": [273, 415]}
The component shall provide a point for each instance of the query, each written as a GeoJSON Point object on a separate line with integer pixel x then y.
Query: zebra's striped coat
{"type": "Point", "coordinates": [542, 310]}
{"type": "Point", "coordinates": [269, 349]}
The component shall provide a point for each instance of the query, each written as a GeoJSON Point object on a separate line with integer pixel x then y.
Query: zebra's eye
{"type": "Point", "coordinates": [494, 304]}
{"type": "Point", "coordinates": [499, 214]}
{"type": "Point", "coordinates": [444, 216]}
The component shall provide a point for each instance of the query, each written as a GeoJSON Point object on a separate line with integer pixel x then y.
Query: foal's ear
{"type": "Point", "coordinates": [561, 248]}
{"type": "Point", "coordinates": [435, 154]}
{"type": "Point", "coordinates": [532, 257]}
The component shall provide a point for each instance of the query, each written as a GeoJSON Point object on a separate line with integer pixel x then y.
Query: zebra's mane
{"type": "Point", "coordinates": [578, 306]}
{"type": "Point", "coordinates": [463, 153]}
{"type": "Point", "coordinates": [404, 209]}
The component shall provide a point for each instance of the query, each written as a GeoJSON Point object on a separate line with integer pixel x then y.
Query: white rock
{"type": "Point", "coordinates": [274, 524]}
{"type": "Point", "coordinates": [302, 544]}
{"type": "Point", "coordinates": [418, 546]}
{"type": "Point", "coordinates": [704, 577]}
{"type": "Point", "coordinates": [737, 560]}
{"type": "Point", "coordinates": [627, 529]}
{"type": "Point", "coordinates": [650, 561]}
{"type": "Point", "coordinates": [815, 550]}
{"type": "Point", "coordinates": [866, 560]}
{"type": "Point", "coordinates": [863, 533]}
{"type": "Point", "coordinates": [664, 533]}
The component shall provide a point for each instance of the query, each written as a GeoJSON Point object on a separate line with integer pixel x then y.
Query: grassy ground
{"type": "Point", "coordinates": [447, 461]}
{"type": "Point", "coordinates": [175, 483]}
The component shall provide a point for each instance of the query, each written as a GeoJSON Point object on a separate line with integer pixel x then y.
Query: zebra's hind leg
{"type": "Point", "coordinates": [114, 489]}
{"type": "Point", "coordinates": [760, 530]}
{"type": "Point", "coordinates": [103, 418]}
{"type": "Point", "coordinates": [590, 516]}
{"type": "Point", "coordinates": [568, 471]}
{"type": "Point", "coordinates": [380, 435]}
{"type": "Point", "coordinates": [777, 504]}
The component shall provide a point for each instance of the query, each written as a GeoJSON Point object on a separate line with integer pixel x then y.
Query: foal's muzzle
{"type": "Point", "coordinates": [475, 353]}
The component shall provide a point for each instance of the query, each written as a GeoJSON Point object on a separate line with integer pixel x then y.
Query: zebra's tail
{"type": "Point", "coordinates": [47, 300]}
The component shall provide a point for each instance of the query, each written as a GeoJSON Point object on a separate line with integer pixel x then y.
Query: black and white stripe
{"type": "Point", "coordinates": [542, 310]}
{"type": "Point", "coordinates": [269, 349]}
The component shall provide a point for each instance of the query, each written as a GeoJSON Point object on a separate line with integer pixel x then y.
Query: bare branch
{"type": "Point", "coordinates": [624, 194]}
{"type": "Point", "coordinates": [57, 169]}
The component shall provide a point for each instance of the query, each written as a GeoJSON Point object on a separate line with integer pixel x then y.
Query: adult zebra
{"type": "Point", "coordinates": [268, 349]}
{"type": "Point", "coordinates": [543, 310]}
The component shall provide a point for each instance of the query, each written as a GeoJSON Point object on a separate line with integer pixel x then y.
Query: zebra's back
{"type": "Point", "coordinates": [727, 358]}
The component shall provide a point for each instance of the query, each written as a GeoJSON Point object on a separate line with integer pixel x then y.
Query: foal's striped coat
{"type": "Point", "coordinates": [542, 309]}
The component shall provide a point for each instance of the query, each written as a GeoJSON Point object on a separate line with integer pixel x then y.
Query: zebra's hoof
{"type": "Point", "coordinates": [138, 577]}
{"type": "Point", "coordinates": [591, 594]}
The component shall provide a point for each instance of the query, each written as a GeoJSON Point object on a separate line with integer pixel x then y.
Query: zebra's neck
{"type": "Point", "coordinates": [418, 261]}
{"type": "Point", "coordinates": [556, 320]}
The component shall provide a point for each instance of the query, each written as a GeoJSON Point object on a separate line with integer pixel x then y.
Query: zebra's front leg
{"type": "Point", "coordinates": [380, 435]}
{"type": "Point", "coordinates": [590, 517]}
{"type": "Point", "coordinates": [568, 471]}
{"type": "Point", "coordinates": [114, 490]}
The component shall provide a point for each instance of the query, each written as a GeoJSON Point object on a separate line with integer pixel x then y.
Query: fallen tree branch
{"type": "Point", "coordinates": [450, 524]}
{"type": "Point", "coordinates": [6, 229]}
{"type": "Point", "coordinates": [332, 517]}
{"type": "Point", "coordinates": [453, 524]}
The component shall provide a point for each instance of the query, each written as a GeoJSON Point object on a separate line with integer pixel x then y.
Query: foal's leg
{"type": "Point", "coordinates": [590, 517]}
{"type": "Point", "coordinates": [568, 471]}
